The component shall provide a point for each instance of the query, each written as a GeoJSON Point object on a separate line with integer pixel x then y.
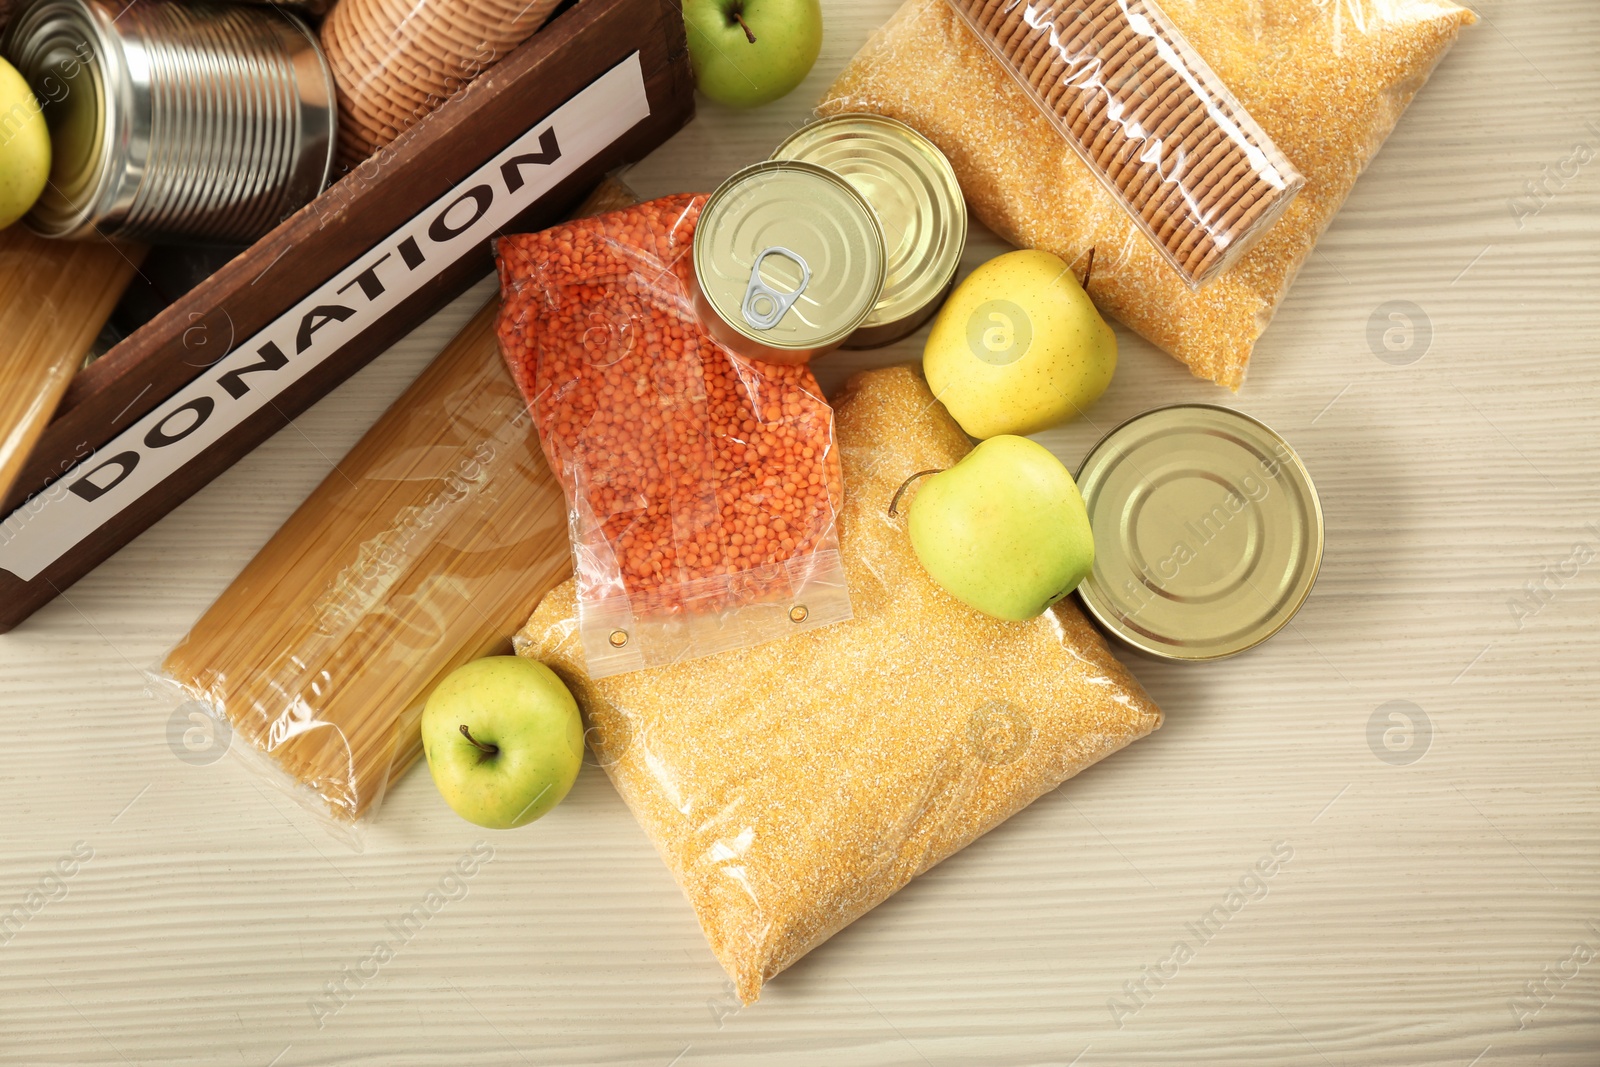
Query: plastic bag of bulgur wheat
{"type": "Point", "coordinates": [792, 787]}
{"type": "Point", "coordinates": [1327, 81]}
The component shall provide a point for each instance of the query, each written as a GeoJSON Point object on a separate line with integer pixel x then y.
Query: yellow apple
{"type": "Point", "coordinates": [1005, 530]}
{"type": "Point", "coordinates": [503, 739]}
{"type": "Point", "coordinates": [1019, 347]}
{"type": "Point", "coordinates": [24, 146]}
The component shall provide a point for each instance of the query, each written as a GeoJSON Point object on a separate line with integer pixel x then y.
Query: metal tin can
{"type": "Point", "coordinates": [788, 261]}
{"type": "Point", "coordinates": [1207, 530]}
{"type": "Point", "coordinates": [175, 121]}
{"type": "Point", "coordinates": [913, 189]}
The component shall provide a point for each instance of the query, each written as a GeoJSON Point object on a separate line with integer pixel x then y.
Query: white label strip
{"type": "Point", "coordinates": [99, 488]}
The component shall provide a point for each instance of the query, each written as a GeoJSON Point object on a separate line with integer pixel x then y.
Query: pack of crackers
{"type": "Point", "coordinates": [1326, 89]}
{"type": "Point", "coordinates": [1147, 115]}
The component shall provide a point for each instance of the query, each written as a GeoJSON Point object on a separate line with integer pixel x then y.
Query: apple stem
{"type": "Point", "coordinates": [745, 26]}
{"type": "Point", "coordinates": [488, 750]}
{"type": "Point", "coordinates": [894, 504]}
{"type": "Point", "coordinates": [1088, 269]}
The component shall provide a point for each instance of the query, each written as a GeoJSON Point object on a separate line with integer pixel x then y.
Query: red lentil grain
{"type": "Point", "coordinates": [662, 439]}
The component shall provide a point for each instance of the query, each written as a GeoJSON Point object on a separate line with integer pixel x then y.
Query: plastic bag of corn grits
{"type": "Point", "coordinates": [1326, 79]}
{"type": "Point", "coordinates": [794, 786]}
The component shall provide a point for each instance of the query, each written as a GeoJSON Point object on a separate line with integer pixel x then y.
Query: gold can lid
{"type": "Point", "coordinates": [913, 189]}
{"type": "Point", "coordinates": [1207, 531]}
{"type": "Point", "coordinates": [789, 255]}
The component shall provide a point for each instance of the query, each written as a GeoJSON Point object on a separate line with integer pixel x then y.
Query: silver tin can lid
{"type": "Point", "coordinates": [175, 121]}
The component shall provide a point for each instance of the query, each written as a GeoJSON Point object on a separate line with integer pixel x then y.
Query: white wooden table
{"type": "Point", "coordinates": [1424, 891]}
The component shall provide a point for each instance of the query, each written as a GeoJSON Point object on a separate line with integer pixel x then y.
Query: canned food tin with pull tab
{"type": "Point", "coordinates": [913, 189]}
{"type": "Point", "coordinates": [788, 261]}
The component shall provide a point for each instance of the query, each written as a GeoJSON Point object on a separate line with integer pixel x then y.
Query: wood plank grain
{"type": "Point", "coordinates": [1419, 903]}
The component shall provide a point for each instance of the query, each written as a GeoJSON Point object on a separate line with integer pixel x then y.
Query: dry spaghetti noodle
{"type": "Point", "coordinates": [58, 294]}
{"type": "Point", "coordinates": [424, 548]}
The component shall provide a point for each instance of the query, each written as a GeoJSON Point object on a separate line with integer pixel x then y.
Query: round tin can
{"type": "Point", "coordinates": [788, 261]}
{"type": "Point", "coordinates": [1207, 529]}
{"type": "Point", "coordinates": [171, 121]}
{"type": "Point", "coordinates": [913, 189]}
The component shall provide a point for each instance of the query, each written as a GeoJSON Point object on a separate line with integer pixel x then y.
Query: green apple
{"type": "Point", "coordinates": [1004, 530]}
{"type": "Point", "coordinates": [504, 740]}
{"type": "Point", "coordinates": [1019, 347]}
{"type": "Point", "coordinates": [24, 146]}
{"type": "Point", "coordinates": [746, 53]}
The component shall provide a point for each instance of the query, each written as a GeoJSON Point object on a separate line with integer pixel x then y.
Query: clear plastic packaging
{"type": "Point", "coordinates": [1326, 81]}
{"type": "Point", "coordinates": [56, 297]}
{"type": "Point", "coordinates": [423, 549]}
{"type": "Point", "coordinates": [793, 787]}
{"type": "Point", "coordinates": [1148, 118]}
{"type": "Point", "coordinates": [419, 552]}
{"type": "Point", "coordinates": [702, 486]}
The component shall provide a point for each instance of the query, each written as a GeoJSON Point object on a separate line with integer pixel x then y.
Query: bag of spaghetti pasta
{"type": "Point", "coordinates": [424, 548]}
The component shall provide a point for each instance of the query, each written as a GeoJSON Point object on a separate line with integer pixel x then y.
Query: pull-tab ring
{"type": "Point", "coordinates": [763, 305]}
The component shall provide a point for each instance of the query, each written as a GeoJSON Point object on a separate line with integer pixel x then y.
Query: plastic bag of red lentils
{"type": "Point", "coordinates": [702, 487]}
